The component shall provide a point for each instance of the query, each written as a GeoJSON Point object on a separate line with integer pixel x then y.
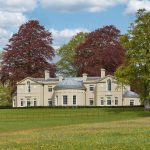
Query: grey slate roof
{"type": "Point", "coordinates": [43, 79]}
{"type": "Point", "coordinates": [130, 94]}
{"type": "Point", "coordinates": [70, 83]}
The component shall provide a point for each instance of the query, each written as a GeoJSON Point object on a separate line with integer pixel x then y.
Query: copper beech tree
{"type": "Point", "coordinates": [28, 53]}
{"type": "Point", "coordinates": [101, 49]}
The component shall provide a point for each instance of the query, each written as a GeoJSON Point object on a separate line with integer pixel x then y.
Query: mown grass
{"type": "Point", "coordinates": [71, 128]}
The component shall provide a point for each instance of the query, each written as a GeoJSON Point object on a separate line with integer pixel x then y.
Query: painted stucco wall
{"type": "Point", "coordinates": [24, 95]}
{"type": "Point", "coordinates": [126, 101]}
{"type": "Point", "coordinates": [80, 97]}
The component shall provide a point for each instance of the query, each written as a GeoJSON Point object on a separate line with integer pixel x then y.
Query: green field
{"type": "Point", "coordinates": [75, 129]}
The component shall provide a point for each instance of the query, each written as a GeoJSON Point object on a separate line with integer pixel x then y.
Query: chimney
{"type": "Point", "coordinates": [102, 73]}
{"type": "Point", "coordinates": [84, 75]}
{"type": "Point", "coordinates": [60, 78]}
{"type": "Point", "coordinates": [46, 74]}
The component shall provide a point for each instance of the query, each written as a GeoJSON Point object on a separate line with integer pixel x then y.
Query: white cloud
{"type": "Point", "coordinates": [4, 36]}
{"type": "Point", "coordinates": [94, 5]}
{"type": "Point", "coordinates": [17, 5]}
{"type": "Point", "coordinates": [134, 5]}
{"type": "Point", "coordinates": [12, 16]}
{"type": "Point", "coordinates": [8, 19]}
{"type": "Point", "coordinates": [62, 36]}
{"type": "Point", "coordinates": [79, 5]}
{"type": "Point", "coordinates": [67, 33]}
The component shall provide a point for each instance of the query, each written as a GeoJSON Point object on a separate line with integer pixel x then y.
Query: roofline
{"type": "Point", "coordinates": [30, 78]}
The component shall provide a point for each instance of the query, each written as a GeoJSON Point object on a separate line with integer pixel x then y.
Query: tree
{"type": "Point", "coordinates": [67, 53]}
{"type": "Point", "coordinates": [136, 68]}
{"type": "Point", "coordinates": [101, 49]}
{"type": "Point", "coordinates": [28, 53]}
{"type": "Point", "coordinates": [5, 95]}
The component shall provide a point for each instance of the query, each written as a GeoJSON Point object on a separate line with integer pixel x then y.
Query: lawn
{"type": "Point", "coordinates": [75, 129]}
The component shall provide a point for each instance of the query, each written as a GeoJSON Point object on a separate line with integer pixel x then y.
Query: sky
{"type": "Point", "coordinates": [65, 18]}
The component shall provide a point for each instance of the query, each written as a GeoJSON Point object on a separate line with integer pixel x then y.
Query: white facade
{"type": "Point", "coordinates": [77, 91]}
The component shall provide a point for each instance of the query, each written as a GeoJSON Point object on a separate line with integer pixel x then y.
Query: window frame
{"type": "Point", "coordinates": [132, 102]}
{"type": "Point", "coordinates": [109, 100]}
{"type": "Point", "coordinates": [116, 100]}
{"type": "Point", "coordinates": [109, 85]}
{"type": "Point", "coordinates": [102, 101]}
{"type": "Point", "coordinates": [50, 89]}
{"type": "Point", "coordinates": [74, 99]}
{"type": "Point", "coordinates": [91, 100]}
{"type": "Point", "coordinates": [91, 88]}
{"type": "Point", "coordinates": [65, 100]}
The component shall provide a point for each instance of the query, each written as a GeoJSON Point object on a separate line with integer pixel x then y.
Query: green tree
{"type": "Point", "coordinates": [136, 68]}
{"type": "Point", "coordinates": [5, 95]}
{"type": "Point", "coordinates": [67, 53]}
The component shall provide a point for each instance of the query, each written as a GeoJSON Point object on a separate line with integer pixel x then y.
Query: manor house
{"type": "Point", "coordinates": [74, 91]}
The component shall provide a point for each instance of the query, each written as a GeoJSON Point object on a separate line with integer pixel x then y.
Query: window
{"type": "Point", "coordinates": [28, 103]}
{"type": "Point", "coordinates": [108, 100]}
{"type": "Point", "coordinates": [35, 104]}
{"type": "Point", "coordinates": [116, 100]}
{"type": "Point", "coordinates": [91, 102]}
{"type": "Point", "coordinates": [50, 102]}
{"type": "Point", "coordinates": [29, 86]}
{"type": "Point", "coordinates": [102, 100]}
{"type": "Point", "coordinates": [74, 99]}
{"type": "Point", "coordinates": [21, 103]}
{"type": "Point", "coordinates": [91, 88]}
{"type": "Point", "coordinates": [50, 89]}
{"type": "Point", "coordinates": [108, 85]}
{"type": "Point", "coordinates": [131, 102]}
{"type": "Point", "coordinates": [65, 100]}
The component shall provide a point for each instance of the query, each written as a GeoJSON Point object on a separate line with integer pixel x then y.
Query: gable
{"type": "Point", "coordinates": [24, 81]}
{"type": "Point", "coordinates": [112, 78]}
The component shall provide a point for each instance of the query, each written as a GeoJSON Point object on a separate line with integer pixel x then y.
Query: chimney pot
{"type": "Point", "coordinates": [84, 75]}
{"type": "Point", "coordinates": [102, 73]}
{"type": "Point", "coordinates": [46, 74]}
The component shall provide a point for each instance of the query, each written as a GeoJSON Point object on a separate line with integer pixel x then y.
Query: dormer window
{"type": "Point", "coordinates": [108, 85]}
{"type": "Point", "coordinates": [29, 86]}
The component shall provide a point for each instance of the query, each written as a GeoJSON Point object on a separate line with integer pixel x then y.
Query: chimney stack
{"type": "Point", "coordinates": [102, 73]}
{"type": "Point", "coordinates": [84, 75]}
{"type": "Point", "coordinates": [46, 74]}
{"type": "Point", "coordinates": [60, 78]}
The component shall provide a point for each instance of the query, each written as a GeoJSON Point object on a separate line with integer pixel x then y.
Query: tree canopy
{"type": "Point", "coordinates": [66, 64]}
{"type": "Point", "coordinates": [28, 53]}
{"type": "Point", "coordinates": [101, 49]}
{"type": "Point", "coordinates": [5, 95]}
{"type": "Point", "coordinates": [136, 68]}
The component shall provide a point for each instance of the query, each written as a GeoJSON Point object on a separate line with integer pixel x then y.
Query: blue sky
{"type": "Point", "coordinates": [66, 18]}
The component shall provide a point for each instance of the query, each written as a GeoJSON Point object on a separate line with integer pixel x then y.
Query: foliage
{"type": "Point", "coordinates": [136, 68]}
{"type": "Point", "coordinates": [67, 53]}
{"type": "Point", "coordinates": [5, 95]}
{"type": "Point", "coordinates": [101, 49]}
{"type": "Point", "coordinates": [28, 53]}
{"type": "Point", "coordinates": [86, 129]}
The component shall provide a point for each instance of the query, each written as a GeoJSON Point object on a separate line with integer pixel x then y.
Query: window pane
{"type": "Point", "coordinates": [108, 100]}
{"type": "Point", "coordinates": [65, 100]}
{"type": "Point", "coordinates": [28, 103]}
{"type": "Point", "coordinates": [91, 88]}
{"type": "Point", "coordinates": [35, 103]}
{"type": "Point", "coordinates": [131, 102]}
{"type": "Point", "coordinates": [50, 102]}
{"type": "Point", "coordinates": [102, 102]}
{"type": "Point", "coordinates": [21, 103]}
{"type": "Point", "coordinates": [91, 102]}
{"type": "Point", "coordinates": [116, 100]}
{"type": "Point", "coordinates": [50, 89]}
{"type": "Point", "coordinates": [109, 85]}
{"type": "Point", "coordinates": [74, 100]}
